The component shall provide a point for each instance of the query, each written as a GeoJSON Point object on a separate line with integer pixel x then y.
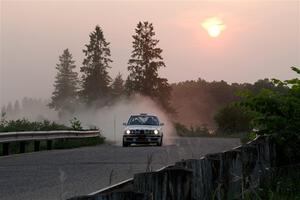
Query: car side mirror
{"type": "Point", "coordinates": [124, 123]}
{"type": "Point", "coordinates": [161, 124]}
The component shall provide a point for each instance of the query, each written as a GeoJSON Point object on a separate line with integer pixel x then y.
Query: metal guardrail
{"type": "Point", "coordinates": [45, 135]}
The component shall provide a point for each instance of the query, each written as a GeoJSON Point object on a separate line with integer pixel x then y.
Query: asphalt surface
{"type": "Point", "coordinates": [60, 174]}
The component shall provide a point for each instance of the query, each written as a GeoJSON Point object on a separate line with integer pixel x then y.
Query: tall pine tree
{"type": "Point", "coordinates": [64, 96]}
{"type": "Point", "coordinates": [95, 78]}
{"type": "Point", "coordinates": [143, 67]}
{"type": "Point", "coordinates": [117, 86]}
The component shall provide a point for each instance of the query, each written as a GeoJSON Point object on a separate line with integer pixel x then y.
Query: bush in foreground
{"type": "Point", "coordinates": [277, 114]}
{"type": "Point", "coordinates": [26, 125]}
{"type": "Point", "coordinates": [283, 185]}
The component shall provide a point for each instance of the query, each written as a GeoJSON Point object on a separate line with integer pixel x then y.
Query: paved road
{"type": "Point", "coordinates": [60, 174]}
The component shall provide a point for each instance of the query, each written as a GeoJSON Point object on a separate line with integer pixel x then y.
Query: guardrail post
{"type": "Point", "coordinates": [36, 145]}
{"type": "Point", "coordinates": [5, 149]}
{"type": "Point", "coordinates": [22, 147]}
{"type": "Point", "coordinates": [49, 144]}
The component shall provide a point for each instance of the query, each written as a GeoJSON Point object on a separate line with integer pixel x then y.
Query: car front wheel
{"type": "Point", "coordinates": [125, 144]}
{"type": "Point", "coordinates": [160, 143]}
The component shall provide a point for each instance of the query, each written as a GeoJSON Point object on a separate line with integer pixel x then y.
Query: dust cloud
{"type": "Point", "coordinates": [110, 119]}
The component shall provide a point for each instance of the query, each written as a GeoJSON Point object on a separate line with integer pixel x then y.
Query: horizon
{"type": "Point", "coordinates": [251, 47]}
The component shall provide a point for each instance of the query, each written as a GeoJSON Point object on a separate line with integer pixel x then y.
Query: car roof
{"type": "Point", "coordinates": [142, 115]}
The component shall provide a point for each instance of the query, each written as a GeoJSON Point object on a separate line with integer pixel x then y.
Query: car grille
{"type": "Point", "coordinates": [142, 131]}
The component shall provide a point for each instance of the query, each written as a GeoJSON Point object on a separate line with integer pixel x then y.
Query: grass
{"type": "Point", "coordinates": [283, 185]}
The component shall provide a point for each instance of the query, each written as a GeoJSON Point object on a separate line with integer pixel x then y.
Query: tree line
{"type": "Point", "coordinates": [200, 103]}
{"type": "Point", "coordinates": [95, 87]}
{"type": "Point", "coordinates": [31, 108]}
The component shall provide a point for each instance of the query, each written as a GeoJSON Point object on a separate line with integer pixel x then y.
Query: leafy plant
{"type": "Point", "coordinates": [277, 113]}
{"type": "Point", "coordinates": [247, 136]}
{"type": "Point", "coordinates": [26, 125]}
{"type": "Point", "coordinates": [75, 124]}
{"type": "Point", "coordinates": [3, 120]}
{"type": "Point", "coordinates": [233, 119]}
{"type": "Point", "coordinates": [283, 185]}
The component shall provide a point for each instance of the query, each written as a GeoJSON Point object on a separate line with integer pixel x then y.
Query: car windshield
{"type": "Point", "coordinates": [143, 120]}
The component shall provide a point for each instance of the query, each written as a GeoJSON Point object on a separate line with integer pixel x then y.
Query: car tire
{"type": "Point", "coordinates": [161, 142]}
{"type": "Point", "coordinates": [125, 144]}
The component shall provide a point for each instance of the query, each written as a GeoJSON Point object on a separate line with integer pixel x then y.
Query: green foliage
{"type": "Point", "coordinates": [95, 79]}
{"type": "Point", "coordinates": [277, 113]}
{"type": "Point", "coordinates": [25, 125]}
{"type": "Point", "coordinates": [198, 101]}
{"type": "Point", "coordinates": [65, 87]}
{"type": "Point", "coordinates": [75, 124]}
{"type": "Point", "coordinates": [271, 107]}
{"type": "Point", "coordinates": [143, 67]}
{"type": "Point", "coordinates": [118, 88]}
{"type": "Point", "coordinates": [197, 131]}
{"type": "Point", "coordinates": [3, 120]}
{"type": "Point", "coordinates": [283, 185]}
{"type": "Point", "coordinates": [247, 136]}
{"type": "Point", "coordinates": [232, 119]}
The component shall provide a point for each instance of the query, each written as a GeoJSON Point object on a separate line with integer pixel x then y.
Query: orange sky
{"type": "Point", "coordinates": [261, 39]}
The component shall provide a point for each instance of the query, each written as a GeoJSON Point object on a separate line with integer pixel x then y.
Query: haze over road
{"type": "Point", "coordinates": [60, 174]}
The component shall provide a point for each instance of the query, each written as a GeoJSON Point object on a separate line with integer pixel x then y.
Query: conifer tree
{"type": "Point", "coordinates": [64, 96]}
{"type": "Point", "coordinates": [3, 110]}
{"type": "Point", "coordinates": [143, 67]}
{"type": "Point", "coordinates": [17, 108]}
{"type": "Point", "coordinates": [95, 78]}
{"type": "Point", "coordinates": [9, 110]}
{"type": "Point", "coordinates": [118, 86]}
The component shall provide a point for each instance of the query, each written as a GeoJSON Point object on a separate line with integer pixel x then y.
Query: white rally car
{"type": "Point", "coordinates": [143, 129]}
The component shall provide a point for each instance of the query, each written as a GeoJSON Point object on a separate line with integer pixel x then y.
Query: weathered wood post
{"type": "Point", "coordinates": [171, 183]}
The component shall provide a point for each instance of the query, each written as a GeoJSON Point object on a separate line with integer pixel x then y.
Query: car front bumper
{"type": "Point", "coordinates": [142, 138]}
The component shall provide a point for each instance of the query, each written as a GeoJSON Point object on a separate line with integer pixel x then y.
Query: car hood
{"type": "Point", "coordinates": [142, 127]}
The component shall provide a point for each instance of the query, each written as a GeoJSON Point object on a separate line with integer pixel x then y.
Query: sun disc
{"type": "Point", "coordinates": [214, 26]}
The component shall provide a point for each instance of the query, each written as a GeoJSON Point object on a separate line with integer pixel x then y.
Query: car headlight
{"type": "Point", "coordinates": [127, 131]}
{"type": "Point", "coordinates": [156, 132]}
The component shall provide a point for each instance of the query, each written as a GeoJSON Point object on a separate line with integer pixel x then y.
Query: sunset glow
{"type": "Point", "coordinates": [214, 26]}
